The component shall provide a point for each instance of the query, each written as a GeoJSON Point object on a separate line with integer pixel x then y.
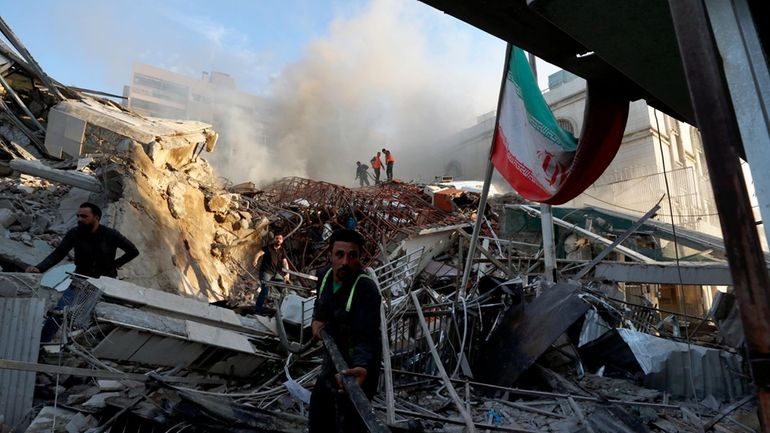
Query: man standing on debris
{"type": "Point", "coordinates": [362, 173]}
{"type": "Point", "coordinates": [348, 308]}
{"type": "Point", "coordinates": [95, 249]}
{"type": "Point", "coordinates": [389, 161]}
{"type": "Point", "coordinates": [376, 165]}
{"type": "Point", "coordinates": [274, 261]}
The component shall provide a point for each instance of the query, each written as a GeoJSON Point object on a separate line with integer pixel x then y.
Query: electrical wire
{"type": "Point", "coordinates": [680, 288]}
{"type": "Point", "coordinates": [660, 214]}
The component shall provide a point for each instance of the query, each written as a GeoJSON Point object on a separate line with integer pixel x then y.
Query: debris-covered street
{"type": "Point", "coordinates": [220, 323]}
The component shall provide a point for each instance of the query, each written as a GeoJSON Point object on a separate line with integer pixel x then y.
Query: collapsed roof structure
{"type": "Point", "coordinates": [164, 348]}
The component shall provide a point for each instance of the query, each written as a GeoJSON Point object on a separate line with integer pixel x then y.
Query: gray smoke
{"type": "Point", "coordinates": [373, 82]}
{"type": "Point", "coordinates": [391, 73]}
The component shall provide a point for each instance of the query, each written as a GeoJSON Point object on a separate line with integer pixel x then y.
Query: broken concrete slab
{"type": "Point", "coordinates": [21, 255]}
{"type": "Point", "coordinates": [150, 339]}
{"type": "Point", "coordinates": [66, 177]}
{"type": "Point", "coordinates": [7, 218]}
{"type": "Point", "coordinates": [166, 141]}
{"type": "Point", "coordinates": [160, 324]}
{"type": "Point", "coordinates": [169, 303]}
{"type": "Point", "coordinates": [80, 423]}
{"type": "Point", "coordinates": [20, 285]}
{"type": "Point", "coordinates": [99, 401]}
{"type": "Point", "coordinates": [51, 420]}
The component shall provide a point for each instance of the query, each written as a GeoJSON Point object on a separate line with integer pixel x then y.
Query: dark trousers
{"type": "Point", "coordinates": [376, 176]}
{"type": "Point", "coordinates": [389, 170]}
{"type": "Point", "coordinates": [331, 411]}
{"type": "Point", "coordinates": [264, 289]}
{"type": "Point", "coordinates": [52, 324]}
{"type": "Point", "coordinates": [364, 179]}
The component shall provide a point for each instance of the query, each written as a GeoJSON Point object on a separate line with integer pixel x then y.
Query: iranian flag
{"type": "Point", "coordinates": [542, 161]}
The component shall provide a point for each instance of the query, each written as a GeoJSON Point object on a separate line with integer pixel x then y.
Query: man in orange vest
{"type": "Point", "coordinates": [376, 165]}
{"type": "Point", "coordinates": [389, 161]}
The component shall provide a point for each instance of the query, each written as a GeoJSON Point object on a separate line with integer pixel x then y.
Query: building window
{"type": "Point", "coordinates": [170, 91]}
{"type": "Point", "coordinates": [157, 110]}
{"type": "Point", "coordinates": [566, 125]}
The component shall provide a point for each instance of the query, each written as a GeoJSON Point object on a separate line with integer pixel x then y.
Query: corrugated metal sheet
{"type": "Point", "coordinates": [21, 321]}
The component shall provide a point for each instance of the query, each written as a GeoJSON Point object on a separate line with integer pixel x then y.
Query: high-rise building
{"type": "Point", "coordinates": [212, 98]}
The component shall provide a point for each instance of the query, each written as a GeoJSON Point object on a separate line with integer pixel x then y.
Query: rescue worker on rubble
{"type": "Point", "coordinates": [95, 249]}
{"type": "Point", "coordinates": [390, 160]}
{"type": "Point", "coordinates": [348, 308]}
{"type": "Point", "coordinates": [376, 166]}
{"type": "Point", "coordinates": [362, 173]}
{"type": "Point", "coordinates": [274, 261]}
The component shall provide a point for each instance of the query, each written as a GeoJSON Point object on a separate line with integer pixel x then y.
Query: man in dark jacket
{"type": "Point", "coordinates": [348, 307]}
{"type": "Point", "coordinates": [95, 249]}
{"type": "Point", "coordinates": [274, 262]}
{"type": "Point", "coordinates": [362, 173]}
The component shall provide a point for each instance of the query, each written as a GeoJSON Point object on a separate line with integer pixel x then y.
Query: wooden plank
{"type": "Point", "coordinates": [471, 428]}
{"type": "Point", "coordinates": [99, 374]}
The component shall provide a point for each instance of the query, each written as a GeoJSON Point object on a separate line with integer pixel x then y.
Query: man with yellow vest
{"type": "Point", "coordinates": [376, 165]}
{"type": "Point", "coordinates": [389, 161]}
{"type": "Point", "coordinates": [347, 306]}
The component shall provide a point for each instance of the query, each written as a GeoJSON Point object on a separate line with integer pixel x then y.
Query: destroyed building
{"type": "Point", "coordinates": [171, 345]}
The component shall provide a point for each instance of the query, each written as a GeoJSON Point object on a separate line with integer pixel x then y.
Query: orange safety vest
{"type": "Point", "coordinates": [376, 163]}
{"type": "Point", "coordinates": [389, 157]}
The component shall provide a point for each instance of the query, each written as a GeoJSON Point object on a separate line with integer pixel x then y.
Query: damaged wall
{"type": "Point", "coordinates": [164, 212]}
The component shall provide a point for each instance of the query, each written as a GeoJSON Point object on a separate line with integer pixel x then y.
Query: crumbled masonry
{"type": "Point", "coordinates": [173, 344]}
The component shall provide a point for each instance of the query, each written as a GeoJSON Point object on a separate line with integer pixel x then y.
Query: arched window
{"type": "Point", "coordinates": [566, 125]}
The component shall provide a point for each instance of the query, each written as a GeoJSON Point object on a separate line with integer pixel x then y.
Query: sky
{"type": "Point", "coordinates": [341, 74]}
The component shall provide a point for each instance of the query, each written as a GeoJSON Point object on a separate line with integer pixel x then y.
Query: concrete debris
{"type": "Point", "coordinates": [173, 343]}
{"type": "Point", "coordinates": [658, 361]}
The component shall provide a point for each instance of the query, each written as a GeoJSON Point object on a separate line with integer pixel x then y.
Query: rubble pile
{"type": "Point", "coordinates": [510, 351]}
{"type": "Point", "coordinates": [384, 215]}
{"type": "Point", "coordinates": [145, 173]}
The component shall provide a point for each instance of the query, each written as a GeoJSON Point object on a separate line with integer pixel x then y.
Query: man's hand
{"type": "Point", "coordinates": [32, 270]}
{"type": "Point", "coordinates": [257, 256]}
{"type": "Point", "coordinates": [358, 372]}
{"type": "Point", "coordinates": [287, 279]}
{"type": "Point", "coordinates": [317, 326]}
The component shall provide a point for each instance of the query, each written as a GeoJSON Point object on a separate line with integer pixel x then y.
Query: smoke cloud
{"type": "Point", "coordinates": [381, 79]}
{"type": "Point", "coordinates": [385, 73]}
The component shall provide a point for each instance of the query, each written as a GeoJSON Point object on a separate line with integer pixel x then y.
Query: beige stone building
{"type": "Point", "coordinates": [212, 98]}
{"type": "Point", "coordinates": [655, 146]}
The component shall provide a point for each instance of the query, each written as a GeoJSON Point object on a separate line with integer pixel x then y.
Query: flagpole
{"type": "Point", "coordinates": [549, 252]}
{"type": "Point", "coordinates": [485, 189]}
{"type": "Point", "coordinates": [476, 229]}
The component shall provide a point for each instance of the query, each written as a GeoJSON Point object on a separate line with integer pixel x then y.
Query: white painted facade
{"type": "Point", "coordinates": [652, 151]}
